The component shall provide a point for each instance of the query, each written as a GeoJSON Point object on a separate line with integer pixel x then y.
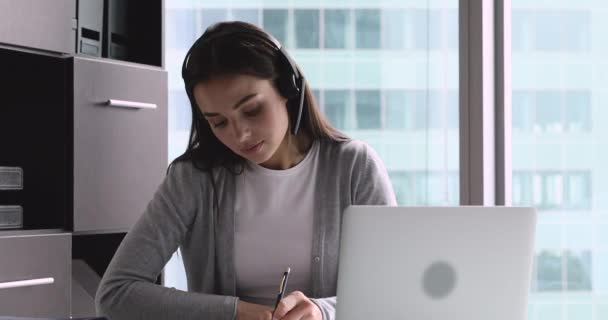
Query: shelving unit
{"type": "Point", "coordinates": [89, 167]}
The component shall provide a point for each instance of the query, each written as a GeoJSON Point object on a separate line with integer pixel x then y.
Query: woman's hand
{"type": "Point", "coordinates": [297, 306]}
{"type": "Point", "coordinates": [252, 311]}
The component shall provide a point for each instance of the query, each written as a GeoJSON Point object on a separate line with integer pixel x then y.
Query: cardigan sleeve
{"type": "Point", "coordinates": [128, 290]}
{"type": "Point", "coordinates": [371, 184]}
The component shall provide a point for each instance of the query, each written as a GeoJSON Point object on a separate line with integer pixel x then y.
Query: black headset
{"type": "Point", "coordinates": [291, 82]}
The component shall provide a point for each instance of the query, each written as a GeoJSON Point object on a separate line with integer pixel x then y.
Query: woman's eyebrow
{"type": "Point", "coordinates": [238, 104]}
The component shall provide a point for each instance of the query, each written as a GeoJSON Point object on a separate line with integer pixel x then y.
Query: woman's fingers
{"type": "Point", "coordinates": [297, 306]}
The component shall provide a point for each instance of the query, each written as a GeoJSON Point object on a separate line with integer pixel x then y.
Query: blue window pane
{"type": "Point", "coordinates": [578, 277]}
{"type": "Point", "coordinates": [522, 188]}
{"type": "Point", "coordinates": [393, 28]}
{"type": "Point", "coordinates": [549, 271]}
{"type": "Point", "coordinates": [434, 29]}
{"type": "Point", "coordinates": [420, 20]}
{"type": "Point", "coordinates": [421, 114]}
{"type": "Point", "coordinates": [578, 111]}
{"type": "Point", "coordinates": [545, 24]}
{"type": "Point", "coordinates": [367, 28]}
{"type": "Point", "coordinates": [550, 266]}
{"type": "Point", "coordinates": [518, 33]}
{"type": "Point", "coordinates": [436, 110]}
{"type": "Point", "coordinates": [180, 28]}
{"type": "Point", "coordinates": [247, 15]}
{"type": "Point", "coordinates": [548, 111]}
{"type": "Point", "coordinates": [523, 110]}
{"type": "Point", "coordinates": [403, 186]}
{"type": "Point", "coordinates": [307, 29]}
{"type": "Point", "coordinates": [397, 110]}
{"type": "Point", "coordinates": [436, 189]}
{"type": "Point", "coordinates": [421, 188]}
{"type": "Point", "coordinates": [452, 29]}
{"type": "Point", "coordinates": [576, 30]}
{"type": "Point", "coordinates": [212, 16]}
{"type": "Point", "coordinates": [578, 190]}
{"type": "Point", "coordinates": [553, 189]}
{"type": "Point", "coordinates": [337, 26]}
{"type": "Point", "coordinates": [337, 105]}
{"type": "Point", "coordinates": [442, 29]}
{"type": "Point", "coordinates": [551, 30]}
{"type": "Point", "coordinates": [561, 30]}
{"type": "Point", "coordinates": [275, 23]}
{"type": "Point", "coordinates": [368, 109]}
{"type": "Point", "coordinates": [453, 110]}
{"type": "Point", "coordinates": [453, 188]}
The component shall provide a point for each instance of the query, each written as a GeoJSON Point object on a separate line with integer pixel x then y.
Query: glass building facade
{"type": "Point", "coordinates": [560, 86]}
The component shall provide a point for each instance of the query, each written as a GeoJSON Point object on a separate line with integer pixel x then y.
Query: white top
{"type": "Point", "coordinates": [273, 228]}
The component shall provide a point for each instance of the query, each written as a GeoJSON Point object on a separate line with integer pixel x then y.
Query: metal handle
{"type": "Point", "coordinates": [26, 283]}
{"type": "Point", "coordinates": [130, 104]}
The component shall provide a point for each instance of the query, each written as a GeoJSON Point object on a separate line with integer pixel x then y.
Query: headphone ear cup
{"type": "Point", "coordinates": [287, 87]}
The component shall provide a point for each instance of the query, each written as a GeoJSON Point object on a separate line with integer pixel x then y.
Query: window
{"type": "Point", "coordinates": [551, 30]}
{"type": "Point", "coordinates": [578, 191]}
{"type": "Point", "coordinates": [337, 29]}
{"type": "Point", "coordinates": [337, 108]}
{"type": "Point", "coordinates": [180, 111]}
{"type": "Point", "coordinates": [180, 22]}
{"type": "Point", "coordinates": [247, 15]}
{"type": "Point", "coordinates": [368, 109]}
{"type": "Point", "coordinates": [420, 20]}
{"type": "Point", "coordinates": [398, 111]}
{"type": "Point", "coordinates": [395, 35]}
{"type": "Point", "coordinates": [275, 23]}
{"type": "Point", "coordinates": [403, 186]}
{"type": "Point", "coordinates": [548, 112]}
{"type": "Point", "coordinates": [412, 188]}
{"type": "Point", "coordinates": [307, 29]}
{"type": "Point", "coordinates": [443, 29]}
{"type": "Point", "coordinates": [577, 111]}
{"type": "Point", "coordinates": [523, 110]}
{"type": "Point", "coordinates": [549, 190]}
{"type": "Point", "coordinates": [453, 112]}
{"type": "Point", "coordinates": [551, 111]}
{"type": "Point", "coordinates": [212, 16]}
{"type": "Point", "coordinates": [558, 152]}
{"type": "Point", "coordinates": [367, 28]}
{"type": "Point", "coordinates": [422, 112]}
{"type": "Point", "coordinates": [436, 110]}
{"type": "Point", "coordinates": [551, 267]}
{"type": "Point", "coordinates": [553, 188]}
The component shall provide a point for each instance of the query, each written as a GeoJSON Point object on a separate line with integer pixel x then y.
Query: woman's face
{"type": "Point", "coordinates": [247, 114]}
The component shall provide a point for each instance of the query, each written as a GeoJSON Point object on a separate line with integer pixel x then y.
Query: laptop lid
{"type": "Point", "coordinates": [456, 263]}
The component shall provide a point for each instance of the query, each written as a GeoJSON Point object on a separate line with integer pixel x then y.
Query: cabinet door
{"type": "Point", "coordinates": [120, 141]}
{"type": "Point", "coordinates": [41, 24]}
{"type": "Point", "coordinates": [35, 274]}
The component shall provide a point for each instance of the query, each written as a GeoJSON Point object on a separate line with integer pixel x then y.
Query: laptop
{"type": "Point", "coordinates": [435, 263]}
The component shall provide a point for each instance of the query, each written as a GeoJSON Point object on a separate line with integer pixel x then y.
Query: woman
{"type": "Point", "coordinates": [261, 187]}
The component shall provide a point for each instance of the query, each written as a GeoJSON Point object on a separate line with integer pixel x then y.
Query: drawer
{"type": "Point", "coordinates": [120, 141]}
{"type": "Point", "coordinates": [39, 24]}
{"type": "Point", "coordinates": [35, 274]}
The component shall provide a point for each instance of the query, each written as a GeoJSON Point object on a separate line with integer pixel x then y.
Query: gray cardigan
{"type": "Point", "coordinates": [180, 215]}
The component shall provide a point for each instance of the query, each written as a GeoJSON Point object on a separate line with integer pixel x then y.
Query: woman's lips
{"type": "Point", "coordinates": [253, 149]}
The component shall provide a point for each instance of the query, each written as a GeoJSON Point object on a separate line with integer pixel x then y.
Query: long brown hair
{"type": "Point", "coordinates": [246, 51]}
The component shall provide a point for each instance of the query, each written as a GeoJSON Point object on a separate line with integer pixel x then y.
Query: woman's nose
{"type": "Point", "coordinates": [241, 132]}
